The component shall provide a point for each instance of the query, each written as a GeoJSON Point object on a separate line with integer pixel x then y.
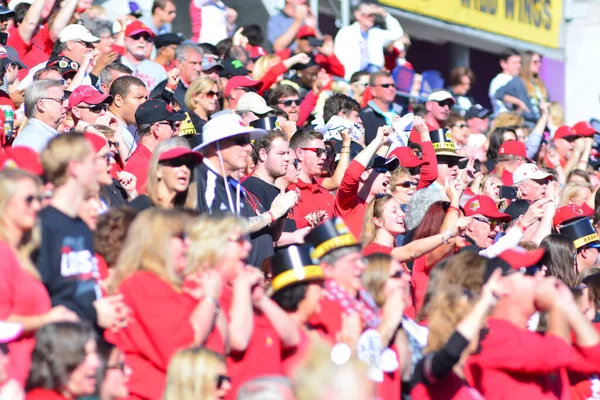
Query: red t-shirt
{"type": "Point", "coordinates": [24, 295]}
{"type": "Point", "coordinates": [348, 204]}
{"type": "Point", "coordinates": [138, 165]}
{"type": "Point", "coordinates": [158, 328]}
{"type": "Point", "coordinates": [450, 388]}
{"type": "Point", "coordinates": [420, 275]}
{"type": "Point", "coordinates": [37, 51]}
{"type": "Point", "coordinates": [328, 322]}
{"type": "Point", "coordinates": [313, 197]}
{"type": "Point", "coordinates": [293, 358]}
{"type": "Point", "coordinates": [514, 363]}
{"type": "Point", "coordinates": [373, 248]}
{"type": "Point", "coordinates": [44, 394]}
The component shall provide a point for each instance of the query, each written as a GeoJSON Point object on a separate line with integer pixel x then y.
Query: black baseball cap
{"type": "Point", "coordinates": [378, 161]}
{"type": "Point", "coordinates": [233, 67]}
{"type": "Point", "coordinates": [6, 11]}
{"type": "Point", "coordinates": [155, 110]}
{"type": "Point", "coordinates": [168, 39]}
{"type": "Point", "coordinates": [477, 111]}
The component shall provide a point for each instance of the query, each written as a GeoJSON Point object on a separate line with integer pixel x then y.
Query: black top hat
{"type": "Point", "coordinates": [442, 142]}
{"type": "Point", "coordinates": [331, 234]}
{"type": "Point", "coordinates": [581, 232]}
{"type": "Point", "coordinates": [266, 123]}
{"type": "Point", "coordinates": [293, 264]}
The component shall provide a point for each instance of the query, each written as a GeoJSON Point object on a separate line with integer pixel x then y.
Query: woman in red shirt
{"type": "Point", "coordinates": [23, 297]}
{"type": "Point", "coordinates": [64, 362]}
{"type": "Point", "coordinates": [169, 309]}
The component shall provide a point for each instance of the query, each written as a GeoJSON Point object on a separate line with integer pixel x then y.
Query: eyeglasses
{"type": "Point", "coordinates": [119, 366]}
{"type": "Point", "coordinates": [450, 162]}
{"type": "Point", "coordinates": [242, 140]}
{"type": "Point", "coordinates": [221, 379]}
{"type": "Point", "coordinates": [460, 126]}
{"type": "Point", "coordinates": [106, 157]}
{"type": "Point", "coordinates": [172, 124]}
{"type": "Point", "coordinates": [212, 94]}
{"type": "Point", "coordinates": [408, 184]}
{"type": "Point", "coordinates": [387, 85]}
{"type": "Point", "coordinates": [31, 198]}
{"type": "Point", "coordinates": [318, 150]}
{"type": "Point", "coordinates": [397, 275]}
{"type": "Point", "coordinates": [295, 163]}
{"type": "Point", "coordinates": [146, 37]}
{"type": "Point", "coordinates": [289, 103]}
{"type": "Point", "coordinates": [179, 162]}
{"type": "Point", "coordinates": [96, 109]}
{"type": "Point", "coordinates": [444, 103]}
{"type": "Point", "coordinates": [56, 99]}
{"type": "Point", "coordinates": [111, 143]}
{"type": "Point", "coordinates": [492, 222]}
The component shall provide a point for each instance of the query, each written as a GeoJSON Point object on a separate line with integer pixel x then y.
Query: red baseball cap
{"type": "Point", "coordinates": [136, 27]}
{"type": "Point", "coordinates": [583, 128]}
{"type": "Point", "coordinates": [564, 132]}
{"type": "Point", "coordinates": [241, 81]}
{"type": "Point", "coordinates": [407, 157]}
{"type": "Point", "coordinates": [566, 213]}
{"type": "Point", "coordinates": [513, 147]}
{"type": "Point", "coordinates": [22, 158]}
{"type": "Point", "coordinates": [517, 259]}
{"type": "Point", "coordinates": [305, 31]}
{"type": "Point", "coordinates": [88, 95]}
{"type": "Point", "coordinates": [97, 141]}
{"type": "Point", "coordinates": [484, 205]}
{"type": "Point", "coordinates": [177, 152]}
{"type": "Point", "coordinates": [256, 52]}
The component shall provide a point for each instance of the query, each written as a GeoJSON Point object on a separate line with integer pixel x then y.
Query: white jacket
{"type": "Point", "coordinates": [348, 42]}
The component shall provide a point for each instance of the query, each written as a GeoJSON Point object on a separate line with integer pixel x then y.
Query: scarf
{"type": "Point", "coordinates": [364, 305]}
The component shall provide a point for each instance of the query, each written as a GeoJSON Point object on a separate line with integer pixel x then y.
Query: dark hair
{"type": "Point", "coordinates": [303, 136]}
{"type": "Point", "coordinates": [375, 75]}
{"type": "Point", "coordinates": [265, 143]}
{"type": "Point", "coordinates": [208, 48]}
{"type": "Point", "coordinates": [122, 85]}
{"type": "Point", "coordinates": [559, 258]}
{"type": "Point", "coordinates": [457, 73]}
{"type": "Point", "coordinates": [59, 350]}
{"type": "Point", "coordinates": [432, 220]}
{"type": "Point", "coordinates": [254, 33]}
{"type": "Point", "coordinates": [453, 118]}
{"type": "Point", "coordinates": [420, 110]}
{"type": "Point", "coordinates": [496, 140]}
{"type": "Point", "coordinates": [223, 46]}
{"type": "Point", "coordinates": [289, 298]}
{"type": "Point", "coordinates": [237, 53]}
{"type": "Point", "coordinates": [20, 11]}
{"type": "Point", "coordinates": [339, 102]}
{"type": "Point", "coordinates": [357, 75]}
{"type": "Point", "coordinates": [509, 54]}
{"type": "Point", "coordinates": [112, 229]}
{"type": "Point", "coordinates": [280, 92]}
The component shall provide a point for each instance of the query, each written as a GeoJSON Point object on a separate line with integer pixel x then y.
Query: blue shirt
{"type": "Point", "coordinates": [278, 25]}
{"type": "Point", "coordinates": [36, 135]}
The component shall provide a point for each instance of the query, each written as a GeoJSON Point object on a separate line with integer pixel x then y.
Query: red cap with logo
{"type": "Point", "coordinates": [513, 147]}
{"type": "Point", "coordinates": [484, 205]}
{"type": "Point", "coordinates": [569, 212]}
{"type": "Point", "coordinates": [305, 31]}
{"type": "Point", "coordinates": [136, 27]}
{"type": "Point", "coordinates": [407, 157]}
{"type": "Point", "coordinates": [564, 132]}
{"type": "Point", "coordinates": [584, 128]}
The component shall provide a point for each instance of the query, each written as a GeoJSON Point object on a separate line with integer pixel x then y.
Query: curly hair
{"type": "Point", "coordinates": [111, 232]}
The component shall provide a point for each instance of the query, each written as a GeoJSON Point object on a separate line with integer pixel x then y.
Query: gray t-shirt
{"type": "Point", "coordinates": [150, 72]}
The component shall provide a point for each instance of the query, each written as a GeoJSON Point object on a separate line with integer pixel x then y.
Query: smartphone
{"type": "Point", "coordinates": [508, 192]}
{"type": "Point", "coordinates": [314, 42]}
{"type": "Point", "coordinates": [3, 38]}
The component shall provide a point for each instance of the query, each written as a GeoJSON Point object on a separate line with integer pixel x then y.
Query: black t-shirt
{"type": "Point", "coordinates": [67, 263]}
{"type": "Point", "coordinates": [141, 203]}
{"type": "Point", "coordinates": [266, 193]}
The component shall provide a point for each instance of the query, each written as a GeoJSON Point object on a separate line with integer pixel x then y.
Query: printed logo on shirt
{"type": "Point", "coordinates": [76, 260]}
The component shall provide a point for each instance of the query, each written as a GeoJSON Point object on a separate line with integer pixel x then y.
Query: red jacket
{"type": "Point", "coordinates": [138, 164]}
{"type": "Point", "coordinates": [348, 204]}
{"type": "Point", "coordinates": [330, 64]}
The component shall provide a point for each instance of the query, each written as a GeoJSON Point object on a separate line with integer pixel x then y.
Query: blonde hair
{"type": "Point", "coordinates": [59, 152]}
{"type": "Point", "coordinates": [570, 190]}
{"type": "Point", "coordinates": [264, 64]}
{"type": "Point", "coordinates": [447, 308]}
{"type": "Point", "coordinates": [187, 198]}
{"type": "Point", "coordinates": [192, 374]}
{"type": "Point", "coordinates": [374, 210]}
{"type": "Point", "coordinates": [9, 179]}
{"type": "Point", "coordinates": [529, 78]}
{"type": "Point", "coordinates": [146, 247]}
{"type": "Point", "coordinates": [507, 119]}
{"type": "Point", "coordinates": [209, 236]}
{"type": "Point", "coordinates": [557, 113]}
{"type": "Point", "coordinates": [375, 276]}
{"type": "Point", "coordinates": [200, 85]}
{"type": "Point", "coordinates": [396, 175]}
{"type": "Point", "coordinates": [487, 178]}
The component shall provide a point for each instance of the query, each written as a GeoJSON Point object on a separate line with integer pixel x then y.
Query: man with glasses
{"type": "Point", "coordinates": [531, 182]}
{"type": "Point", "coordinates": [287, 98]}
{"type": "Point", "coordinates": [381, 110]}
{"type": "Point", "coordinates": [138, 44]}
{"type": "Point", "coordinates": [459, 131]}
{"type": "Point", "coordinates": [156, 123]}
{"type": "Point", "coordinates": [163, 14]}
{"type": "Point", "coordinates": [46, 109]}
{"type": "Point", "coordinates": [86, 104]}
{"type": "Point", "coordinates": [486, 221]}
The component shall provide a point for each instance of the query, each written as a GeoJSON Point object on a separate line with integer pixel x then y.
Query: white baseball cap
{"type": "Point", "coordinates": [9, 331]}
{"type": "Point", "coordinates": [252, 102]}
{"type": "Point", "coordinates": [440, 95]}
{"type": "Point", "coordinates": [77, 32]}
{"type": "Point", "coordinates": [530, 171]}
{"type": "Point", "coordinates": [225, 126]}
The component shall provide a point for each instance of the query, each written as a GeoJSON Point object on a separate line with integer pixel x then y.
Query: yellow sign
{"type": "Point", "coordinates": [533, 21]}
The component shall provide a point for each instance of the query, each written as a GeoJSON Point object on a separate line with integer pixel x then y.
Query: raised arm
{"type": "Point", "coordinates": [63, 17]}
{"type": "Point", "coordinates": [31, 21]}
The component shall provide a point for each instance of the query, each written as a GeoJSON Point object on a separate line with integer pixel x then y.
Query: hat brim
{"type": "Point", "coordinates": [412, 163]}
{"type": "Point", "coordinates": [391, 164]}
{"type": "Point", "coordinates": [196, 157]}
{"type": "Point", "coordinates": [254, 134]}
{"type": "Point", "coordinates": [499, 216]}
{"type": "Point", "coordinates": [211, 66]}
{"type": "Point", "coordinates": [260, 110]}
{"type": "Point", "coordinates": [176, 116]}
{"type": "Point", "coordinates": [536, 176]}
{"type": "Point", "coordinates": [448, 153]}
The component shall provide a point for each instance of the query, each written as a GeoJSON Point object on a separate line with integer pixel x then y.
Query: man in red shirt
{"type": "Point", "coordinates": [511, 155]}
{"type": "Point", "coordinates": [514, 362]}
{"type": "Point", "coordinates": [367, 176]}
{"type": "Point", "coordinates": [315, 203]}
{"type": "Point", "coordinates": [156, 123]}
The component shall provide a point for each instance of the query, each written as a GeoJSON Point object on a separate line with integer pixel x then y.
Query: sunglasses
{"type": "Point", "coordinates": [289, 103]}
{"type": "Point", "coordinates": [179, 162]}
{"type": "Point", "coordinates": [295, 163]}
{"type": "Point", "coordinates": [146, 37]}
{"type": "Point", "coordinates": [31, 198]}
{"type": "Point", "coordinates": [397, 275]}
{"type": "Point", "coordinates": [111, 143]}
{"type": "Point", "coordinates": [444, 103]}
{"type": "Point", "coordinates": [96, 109]}
{"type": "Point", "coordinates": [449, 162]}
{"type": "Point", "coordinates": [493, 223]}
{"type": "Point", "coordinates": [387, 85]}
{"type": "Point", "coordinates": [221, 379]}
{"type": "Point", "coordinates": [242, 140]}
{"type": "Point", "coordinates": [212, 94]}
{"type": "Point", "coordinates": [318, 150]}
{"type": "Point", "coordinates": [408, 184]}
{"type": "Point", "coordinates": [119, 366]}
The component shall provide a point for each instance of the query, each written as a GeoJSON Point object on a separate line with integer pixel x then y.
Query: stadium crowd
{"type": "Point", "coordinates": [207, 218]}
